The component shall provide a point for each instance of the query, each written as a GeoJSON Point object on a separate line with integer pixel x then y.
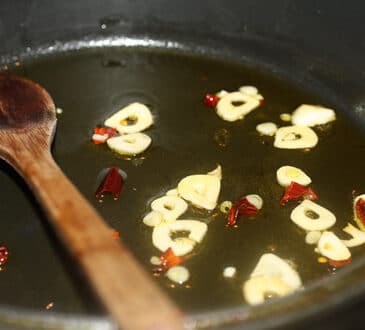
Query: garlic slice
{"type": "Point", "coordinates": [249, 90]}
{"type": "Point", "coordinates": [311, 216]}
{"type": "Point", "coordinates": [161, 236]}
{"type": "Point", "coordinates": [330, 246]}
{"type": "Point", "coordinates": [356, 218]}
{"type": "Point", "coordinates": [178, 274]}
{"type": "Point", "coordinates": [255, 200]}
{"type": "Point", "coordinates": [267, 128]}
{"type": "Point", "coordinates": [216, 172]}
{"type": "Point", "coordinates": [312, 115]}
{"type": "Point", "coordinates": [129, 144]}
{"type": "Point", "coordinates": [358, 236]}
{"type": "Point", "coordinates": [172, 192]}
{"type": "Point", "coordinates": [271, 265]}
{"type": "Point", "coordinates": [201, 190]}
{"type": "Point", "coordinates": [286, 174]}
{"type": "Point", "coordinates": [229, 111]}
{"type": "Point", "coordinates": [295, 137]}
{"type": "Point", "coordinates": [171, 207]}
{"type": "Point", "coordinates": [256, 289]}
{"type": "Point", "coordinates": [153, 218]}
{"type": "Point", "coordinates": [139, 114]}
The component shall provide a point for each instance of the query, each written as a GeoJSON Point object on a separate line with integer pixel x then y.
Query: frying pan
{"type": "Point", "coordinates": [94, 58]}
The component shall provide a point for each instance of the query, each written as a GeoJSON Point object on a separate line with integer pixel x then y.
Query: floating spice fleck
{"type": "Point", "coordinates": [50, 305]}
{"type": "Point", "coordinates": [296, 191]}
{"type": "Point", "coordinates": [241, 207]}
{"type": "Point", "coordinates": [112, 184]}
{"type": "Point", "coordinates": [221, 137]}
{"type": "Point", "coordinates": [167, 260]}
{"type": "Point", "coordinates": [211, 100]}
{"type": "Point", "coordinates": [4, 254]}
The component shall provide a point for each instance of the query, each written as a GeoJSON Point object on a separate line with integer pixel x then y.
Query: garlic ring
{"type": "Point", "coordinates": [138, 113]}
{"type": "Point", "coordinates": [129, 144]}
{"type": "Point", "coordinates": [295, 137]}
{"type": "Point", "coordinates": [171, 207]}
{"type": "Point", "coordinates": [229, 111]}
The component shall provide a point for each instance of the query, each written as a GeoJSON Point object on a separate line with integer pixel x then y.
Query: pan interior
{"type": "Point", "coordinates": [89, 85]}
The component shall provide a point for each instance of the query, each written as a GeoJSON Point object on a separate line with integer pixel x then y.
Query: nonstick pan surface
{"type": "Point", "coordinates": [89, 83]}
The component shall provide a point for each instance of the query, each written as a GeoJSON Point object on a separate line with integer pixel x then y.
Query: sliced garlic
{"type": "Point", "coordinates": [178, 274]}
{"type": "Point", "coordinates": [330, 246]}
{"type": "Point", "coordinates": [256, 289]}
{"type": "Point", "coordinates": [285, 116]}
{"type": "Point", "coordinates": [153, 218]}
{"type": "Point", "coordinates": [138, 113]}
{"type": "Point", "coordinates": [358, 236]}
{"type": "Point", "coordinates": [286, 174]}
{"type": "Point", "coordinates": [356, 218]}
{"type": "Point", "coordinates": [271, 265]}
{"type": "Point", "coordinates": [172, 192]}
{"type": "Point", "coordinates": [201, 190]}
{"type": "Point", "coordinates": [161, 236]}
{"type": "Point", "coordinates": [255, 200]}
{"type": "Point", "coordinates": [171, 207]}
{"type": "Point", "coordinates": [295, 137]}
{"type": "Point", "coordinates": [221, 93]}
{"type": "Point", "coordinates": [216, 172]}
{"type": "Point", "coordinates": [311, 216]}
{"type": "Point", "coordinates": [249, 90]}
{"type": "Point", "coordinates": [225, 206]}
{"type": "Point", "coordinates": [313, 237]}
{"type": "Point", "coordinates": [234, 106]}
{"type": "Point", "coordinates": [155, 260]}
{"type": "Point", "coordinates": [129, 144]}
{"type": "Point", "coordinates": [229, 271]}
{"type": "Point", "coordinates": [312, 115]}
{"type": "Point", "coordinates": [267, 128]}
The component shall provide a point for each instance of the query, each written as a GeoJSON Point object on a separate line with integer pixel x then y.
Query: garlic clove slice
{"type": "Point", "coordinates": [216, 172]}
{"type": "Point", "coordinates": [153, 218]}
{"type": "Point", "coordinates": [234, 106]}
{"type": "Point", "coordinates": [178, 274]}
{"type": "Point", "coordinates": [312, 217]}
{"type": "Point", "coordinates": [138, 114]}
{"type": "Point", "coordinates": [171, 207]}
{"type": "Point", "coordinates": [295, 137]}
{"type": "Point", "coordinates": [267, 128]}
{"type": "Point", "coordinates": [286, 174]}
{"type": "Point", "coordinates": [129, 144]}
{"type": "Point", "coordinates": [255, 200]}
{"type": "Point", "coordinates": [201, 190]}
{"type": "Point", "coordinates": [312, 115]}
{"type": "Point", "coordinates": [272, 265]}
{"type": "Point", "coordinates": [330, 246]}
{"type": "Point", "coordinates": [256, 289]}
{"type": "Point", "coordinates": [172, 192]}
{"type": "Point", "coordinates": [358, 236]}
{"type": "Point", "coordinates": [161, 236]}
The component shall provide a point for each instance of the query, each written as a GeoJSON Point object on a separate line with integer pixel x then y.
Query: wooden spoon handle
{"type": "Point", "coordinates": [126, 290]}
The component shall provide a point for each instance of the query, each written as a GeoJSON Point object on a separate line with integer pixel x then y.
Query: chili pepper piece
{"type": "Point", "coordinates": [211, 100]}
{"type": "Point", "coordinates": [4, 254]}
{"type": "Point", "coordinates": [112, 183]}
{"type": "Point", "coordinates": [241, 207]}
{"type": "Point", "coordinates": [360, 210]}
{"type": "Point", "coordinates": [102, 134]}
{"type": "Point", "coordinates": [296, 191]}
{"type": "Point", "coordinates": [339, 263]}
{"type": "Point", "coordinates": [167, 260]}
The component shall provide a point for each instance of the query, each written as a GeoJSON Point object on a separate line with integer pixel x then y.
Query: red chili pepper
{"type": "Point", "coordinates": [339, 263]}
{"type": "Point", "coordinates": [241, 207]}
{"type": "Point", "coordinates": [296, 191]}
{"type": "Point", "coordinates": [102, 134]}
{"type": "Point", "coordinates": [360, 209]}
{"type": "Point", "coordinates": [168, 259]}
{"type": "Point", "coordinates": [112, 183]}
{"type": "Point", "coordinates": [4, 254]}
{"type": "Point", "coordinates": [211, 100]}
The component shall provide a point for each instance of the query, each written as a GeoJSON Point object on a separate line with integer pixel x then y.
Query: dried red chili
{"type": "Point", "coordinates": [360, 209]}
{"type": "Point", "coordinates": [241, 207]}
{"type": "Point", "coordinates": [211, 100]}
{"type": "Point", "coordinates": [102, 134]}
{"type": "Point", "coordinates": [339, 263]}
{"type": "Point", "coordinates": [296, 191]}
{"type": "Point", "coordinates": [112, 183]}
{"type": "Point", "coordinates": [167, 260]}
{"type": "Point", "coordinates": [4, 254]}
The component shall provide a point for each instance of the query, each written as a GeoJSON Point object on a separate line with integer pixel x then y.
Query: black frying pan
{"type": "Point", "coordinates": [171, 70]}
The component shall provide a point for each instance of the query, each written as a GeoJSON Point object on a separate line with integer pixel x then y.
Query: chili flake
{"type": "Point", "coordinates": [102, 134]}
{"type": "Point", "coordinates": [339, 263]}
{"type": "Point", "coordinates": [167, 260]}
{"type": "Point", "coordinates": [112, 183]}
{"type": "Point", "coordinates": [211, 100]}
{"type": "Point", "coordinates": [241, 207]}
{"type": "Point", "coordinates": [360, 210]}
{"type": "Point", "coordinates": [296, 191]}
{"type": "Point", "coordinates": [4, 254]}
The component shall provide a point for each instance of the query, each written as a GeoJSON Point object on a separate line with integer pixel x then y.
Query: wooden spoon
{"type": "Point", "coordinates": [27, 125]}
